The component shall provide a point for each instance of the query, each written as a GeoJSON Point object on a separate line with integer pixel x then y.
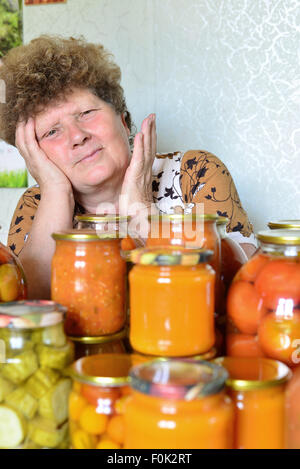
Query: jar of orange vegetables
{"type": "Point", "coordinates": [263, 303]}
{"type": "Point", "coordinates": [12, 280]}
{"type": "Point", "coordinates": [171, 302]}
{"type": "Point", "coordinates": [257, 388]}
{"type": "Point", "coordinates": [178, 404]}
{"type": "Point", "coordinates": [89, 278]}
{"type": "Point", "coordinates": [97, 400]}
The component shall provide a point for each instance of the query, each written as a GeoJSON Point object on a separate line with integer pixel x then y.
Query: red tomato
{"type": "Point", "coordinates": [250, 270]}
{"type": "Point", "coordinates": [243, 345]}
{"type": "Point", "coordinates": [94, 394]}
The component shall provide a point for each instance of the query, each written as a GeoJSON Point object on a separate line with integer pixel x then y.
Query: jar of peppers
{"type": "Point", "coordinates": [178, 404]}
{"type": "Point", "coordinates": [263, 303]}
{"type": "Point", "coordinates": [171, 290]}
{"type": "Point", "coordinates": [89, 278]}
{"type": "Point", "coordinates": [97, 401]}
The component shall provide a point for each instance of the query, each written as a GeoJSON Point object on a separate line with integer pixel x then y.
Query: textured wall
{"type": "Point", "coordinates": [222, 75]}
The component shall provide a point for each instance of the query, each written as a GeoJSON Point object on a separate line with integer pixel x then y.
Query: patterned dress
{"type": "Point", "coordinates": [180, 181]}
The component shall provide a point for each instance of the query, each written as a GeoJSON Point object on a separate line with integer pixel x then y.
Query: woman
{"type": "Point", "coordinates": [65, 111]}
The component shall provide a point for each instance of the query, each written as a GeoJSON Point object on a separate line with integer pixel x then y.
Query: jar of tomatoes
{"type": "Point", "coordinates": [97, 401]}
{"type": "Point", "coordinates": [89, 278]}
{"type": "Point", "coordinates": [12, 279]}
{"type": "Point", "coordinates": [171, 291]}
{"type": "Point", "coordinates": [284, 225]}
{"type": "Point", "coordinates": [33, 389]}
{"type": "Point", "coordinates": [293, 409]}
{"type": "Point", "coordinates": [264, 298]}
{"type": "Point", "coordinates": [178, 404]}
{"type": "Point", "coordinates": [257, 388]}
{"type": "Point", "coordinates": [112, 343]}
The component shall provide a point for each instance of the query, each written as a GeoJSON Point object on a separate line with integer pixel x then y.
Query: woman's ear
{"type": "Point", "coordinates": [123, 118]}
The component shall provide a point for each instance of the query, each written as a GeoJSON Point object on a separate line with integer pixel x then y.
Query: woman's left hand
{"type": "Point", "coordinates": [137, 183]}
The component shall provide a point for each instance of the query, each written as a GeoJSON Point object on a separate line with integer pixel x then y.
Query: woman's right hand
{"type": "Point", "coordinates": [42, 169]}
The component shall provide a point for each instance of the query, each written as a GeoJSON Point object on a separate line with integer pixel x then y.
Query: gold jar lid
{"type": "Point", "coordinates": [84, 235]}
{"type": "Point", "coordinates": [280, 237]}
{"type": "Point", "coordinates": [103, 339]}
{"type": "Point", "coordinates": [109, 218]}
{"type": "Point", "coordinates": [141, 358]}
{"type": "Point", "coordinates": [222, 221]}
{"type": "Point", "coordinates": [169, 256]}
{"type": "Point", "coordinates": [249, 374]}
{"type": "Point", "coordinates": [184, 217]}
{"type": "Point", "coordinates": [284, 225]}
{"type": "Point", "coordinates": [107, 369]}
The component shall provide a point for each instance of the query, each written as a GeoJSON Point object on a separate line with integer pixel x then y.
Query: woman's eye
{"type": "Point", "coordinates": [86, 113]}
{"type": "Point", "coordinates": [51, 133]}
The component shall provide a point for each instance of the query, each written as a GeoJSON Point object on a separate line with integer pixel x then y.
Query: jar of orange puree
{"type": "Point", "coordinates": [171, 302]}
{"type": "Point", "coordinates": [257, 388]}
{"type": "Point", "coordinates": [89, 278]}
{"type": "Point", "coordinates": [178, 404]}
{"type": "Point", "coordinates": [97, 400]}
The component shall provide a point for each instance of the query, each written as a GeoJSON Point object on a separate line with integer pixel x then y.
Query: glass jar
{"type": "Point", "coordinates": [284, 225]}
{"type": "Point", "coordinates": [139, 358]}
{"type": "Point", "coordinates": [293, 410]}
{"type": "Point", "coordinates": [171, 291]}
{"type": "Point", "coordinates": [33, 389]}
{"type": "Point", "coordinates": [12, 279]}
{"type": "Point", "coordinates": [257, 388]}
{"type": "Point", "coordinates": [89, 278]}
{"type": "Point", "coordinates": [264, 299]}
{"type": "Point", "coordinates": [112, 343]}
{"type": "Point", "coordinates": [178, 404]}
{"type": "Point", "coordinates": [97, 401]}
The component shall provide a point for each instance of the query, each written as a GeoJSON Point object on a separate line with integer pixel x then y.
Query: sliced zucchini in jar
{"type": "Point", "coordinates": [22, 401]}
{"type": "Point", "coordinates": [54, 336]}
{"type": "Point", "coordinates": [57, 358]}
{"type": "Point", "coordinates": [45, 433]}
{"type": "Point", "coordinates": [12, 428]}
{"type": "Point", "coordinates": [42, 380]}
{"type": "Point", "coordinates": [5, 388]}
{"type": "Point", "coordinates": [20, 367]}
{"type": "Point", "coordinates": [54, 405]}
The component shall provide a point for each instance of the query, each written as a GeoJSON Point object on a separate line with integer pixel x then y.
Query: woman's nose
{"type": "Point", "coordinates": [77, 135]}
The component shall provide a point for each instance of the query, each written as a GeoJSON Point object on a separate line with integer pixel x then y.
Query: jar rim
{"type": "Point", "coordinates": [85, 235]}
{"type": "Point", "coordinates": [169, 256]}
{"type": "Point", "coordinates": [284, 224]}
{"type": "Point", "coordinates": [222, 221]}
{"type": "Point", "coordinates": [102, 218]}
{"type": "Point", "coordinates": [109, 369]}
{"type": "Point", "coordinates": [31, 314]}
{"type": "Point", "coordinates": [280, 237]}
{"type": "Point", "coordinates": [99, 339]}
{"type": "Point", "coordinates": [258, 368]}
{"type": "Point", "coordinates": [179, 379]}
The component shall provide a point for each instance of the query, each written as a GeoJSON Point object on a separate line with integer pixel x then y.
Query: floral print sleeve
{"type": "Point", "coordinates": [205, 179]}
{"type": "Point", "coordinates": [22, 219]}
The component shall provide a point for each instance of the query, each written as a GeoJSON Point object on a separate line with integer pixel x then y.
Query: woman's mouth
{"type": "Point", "coordinates": [90, 157]}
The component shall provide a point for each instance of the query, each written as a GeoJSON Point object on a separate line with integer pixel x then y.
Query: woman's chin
{"type": "Point", "coordinates": [95, 176]}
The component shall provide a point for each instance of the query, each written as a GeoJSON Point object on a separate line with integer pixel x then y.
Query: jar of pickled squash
{"type": "Point", "coordinates": [171, 291]}
{"type": "Point", "coordinates": [97, 401]}
{"type": "Point", "coordinates": [284, 225]}
{"type": "Point", "coordinates": [12, 280]}
{"type": "Point", "coordinates": [178, 404]}
{"type": "Point", "coordinates": [257, 388]}
{"type": "Point", "coordinates": [112, 343]}
{"type": "Point", "coordinates": [33, 389]}
{"type": "Point", "coordinates": [89, 278]}
{"type": "Point", "coordinates": [263, 303]}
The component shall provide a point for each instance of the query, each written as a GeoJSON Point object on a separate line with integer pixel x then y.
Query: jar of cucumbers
{"type": "Point", "coordinates": [34, 392]}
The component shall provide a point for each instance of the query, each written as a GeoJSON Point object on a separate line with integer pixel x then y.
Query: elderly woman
{"type": "Point", "coordinates": [66, 113]}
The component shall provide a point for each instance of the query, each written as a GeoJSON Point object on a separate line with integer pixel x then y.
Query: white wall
{"type": "Point", "coordinates": [222, 75]}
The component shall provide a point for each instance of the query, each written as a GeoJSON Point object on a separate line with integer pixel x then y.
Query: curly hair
{"type": "Point", "coordinates": [45, 71]}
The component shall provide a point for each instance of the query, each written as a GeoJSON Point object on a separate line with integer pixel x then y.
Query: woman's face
{"type": "Point", "coordinates": [86, 139]}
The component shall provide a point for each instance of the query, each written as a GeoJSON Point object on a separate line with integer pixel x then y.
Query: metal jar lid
{"type": "Point", "coordinates": [249, 374]}
{"type": "Point", "coordinates": [103, 339]}
{"type": "Point", "coordinates": [107, 369]}
{"type": "Point", "coordinates": [85, 235]}
{"type": "Point", "coordinates": [109, 218]}
{"type": "Point", "coordinates": [284, 224]}
{"type": "Point", "coordinates": [222, 221]}
{"type": "Point", "coordinates": [280, 237]}
{"type": "Point", "coordinates": [169, 256]}
{"type": "Point", "coordinates": [184, 379]}
{"type": "Point", "coordinates": [31, 314]}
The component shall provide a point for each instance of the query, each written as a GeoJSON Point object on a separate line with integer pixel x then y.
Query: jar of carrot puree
{"type": "Point", "coordinates": [257, 388]}
{"type": "Point", "coordinates": [171, 291]}
{"type": "Point", "coordinates": [111, 343]}
{"type": "Point", "coordinates": [97, 401]}
{"type": "Point", "coordinates": [89, 278]}
{"type": "Point", "coordinates": [178, 404]}
{"type": "Point", "coordinates": [263, 303]}
{"type": "Point", "coordinates": [293, 409]}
